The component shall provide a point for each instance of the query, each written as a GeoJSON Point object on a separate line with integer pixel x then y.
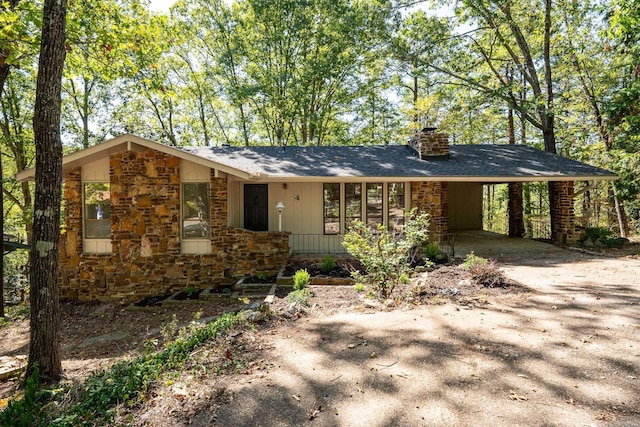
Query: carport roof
{"type": "Point", "coordinates": [487, 163]}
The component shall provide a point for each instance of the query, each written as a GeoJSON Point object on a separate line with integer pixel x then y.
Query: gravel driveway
{"type": "Point", "coordinates": [568, 354]}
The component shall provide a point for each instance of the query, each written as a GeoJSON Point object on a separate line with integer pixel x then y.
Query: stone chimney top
{"type": "Point", "coordinates": [430, 145]}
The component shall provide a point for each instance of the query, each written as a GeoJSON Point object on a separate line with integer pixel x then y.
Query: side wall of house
{"type": "Point", "coordinates": [146, 258]}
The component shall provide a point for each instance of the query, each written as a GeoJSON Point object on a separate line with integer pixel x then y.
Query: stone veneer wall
{"type": "Point", "coordinates": [432, 197]}
{"type": "Point", "coordinates": [145, 233]}
{"type": "Point", "coordinates": [563, 230]}
{"type": "Point", "coordinates": [72, 205]}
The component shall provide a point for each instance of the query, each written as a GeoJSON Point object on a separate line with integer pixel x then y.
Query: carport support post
{"type": "Point", "coordinates": [515, 210]}
{"type": "Point", "coordinates": [563, 230]}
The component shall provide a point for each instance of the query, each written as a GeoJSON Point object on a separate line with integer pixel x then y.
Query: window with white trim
{"type": "Point", "coordinates": [97, 210]}
{"type": "Point", "coordinates": [195, 210]}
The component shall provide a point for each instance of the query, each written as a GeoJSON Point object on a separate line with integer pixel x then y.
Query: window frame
{"type": "Point", "coordinates": [343, 198]}
{"type": "Point", "coordinates": [183, 219]}
{"type": "Point", "coordinates": [347, 220]}
{"type": "Point", "coordinates": [95, 245]}
{"type": "Point", "coordinates": [325, 209]}
{"type": "Point", "coordinates": [390, 225]}
{"type": "Point", "coordinates": [381, 186]}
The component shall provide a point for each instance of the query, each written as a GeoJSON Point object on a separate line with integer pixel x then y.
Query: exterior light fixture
{"type": "Point", "coordinates": [280, 208]}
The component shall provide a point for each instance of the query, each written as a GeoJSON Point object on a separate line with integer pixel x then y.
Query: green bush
{"type": "Point", "coordinates": [301, 279]}
{"type": "Point", "coordinates": [26, 411]}
{"type": "Point", "coordinates": [473, 260]}
{"type": "Point", "coordinates": [386, 256]}
{"type": "Point", "coordinates": [601, 236]}
{"type": "Point", "coordinates": [433, 253]}
{"type": "Point", "coordinates": [300, 296]}
{"type": "Point", "coordinates": [328, 264]}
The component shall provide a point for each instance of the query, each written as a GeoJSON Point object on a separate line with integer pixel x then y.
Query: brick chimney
{"type": "Point", "coordinates": [430, 145]}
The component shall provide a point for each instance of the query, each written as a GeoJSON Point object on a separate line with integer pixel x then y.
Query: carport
{"type": "Point", "coordinates": [515, 165]}
{"type": "Point", "coordinates": [500, 247]}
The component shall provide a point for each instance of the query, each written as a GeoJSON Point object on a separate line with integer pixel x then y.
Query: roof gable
{"type": "Point", "coordinates": [128, 142]}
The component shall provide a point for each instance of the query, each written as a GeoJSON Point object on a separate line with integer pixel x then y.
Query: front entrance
{"type": "Point", "coordinates": [256, 207]}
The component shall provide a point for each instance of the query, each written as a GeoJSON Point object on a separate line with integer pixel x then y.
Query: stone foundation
{"type": "Point", "coordinates": [106, 277]}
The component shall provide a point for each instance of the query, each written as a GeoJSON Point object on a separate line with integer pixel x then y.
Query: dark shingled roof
{"type": "Point", "coordinates": [511, 162]}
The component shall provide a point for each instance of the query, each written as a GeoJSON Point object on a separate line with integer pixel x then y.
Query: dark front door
{"type": "Point", "coordinates": [256, 207]}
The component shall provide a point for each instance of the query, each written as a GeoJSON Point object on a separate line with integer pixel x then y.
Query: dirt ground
{"type": "Point", "coordinates": [95, 336]}
{"type": "Point", "coordinates": [561, 348]}
{"type": "Point", "coordinates": [566, 354]}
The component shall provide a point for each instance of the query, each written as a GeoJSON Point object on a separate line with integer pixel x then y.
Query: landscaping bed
{"type": "Point", "coordinates": [187, 296]}
{"type": "Point", "coordinates": [325, 271]}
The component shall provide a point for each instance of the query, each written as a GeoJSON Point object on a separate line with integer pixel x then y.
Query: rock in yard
{"type": "Point", "coordinates": [371, 303]}
{"type": "Point", "coordinates": [293, 310]}
{"type": "Point", "coordinates": [450, 291]}
{"type": "Point", "coordinates": [255, 317]}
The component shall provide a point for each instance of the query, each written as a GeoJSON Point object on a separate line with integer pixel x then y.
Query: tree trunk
{"type": "Point", "coordinates": [1, 242]}
{"type": "Point", "coordinates": [621, 215]}
{"type": "Point", "coordinates": [515, 208]}
{"type": "Point", "coordinates": [552, 202]}
{"type": "Point", "coordinates": [5, 69]}
{"type": "Point", "coordinates": [515, 211]}
{"type": "Point", "coordinates": [44, 346]}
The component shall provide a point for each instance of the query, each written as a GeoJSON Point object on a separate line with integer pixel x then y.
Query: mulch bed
{"type": "Point", "coordinates": [343, 268]}
{"type": "Point", "coordinates": [257, 280]}
{"type": "Point", "coordinates": [184, 295]}
{"type": "Point", "coordinates": [443, 284]}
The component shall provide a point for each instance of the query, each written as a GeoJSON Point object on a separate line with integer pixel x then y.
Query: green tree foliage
{"type": "Point", "coordinates": [334, 72]}
{"type": "Point", "coordinates": [18, 151]}
{"type": "Point", "coordinates": [290, 69]}
{"type": "Point", "coordinates": [621, 107]}
{"type": "Point", "coordinates": [623, 110]}
{"type": "Point", "coordinates": [112, 44]}
{"type": "Point", "coordinates": [19, 38]}
{"type": "Point", "coordinates": [421, 40]}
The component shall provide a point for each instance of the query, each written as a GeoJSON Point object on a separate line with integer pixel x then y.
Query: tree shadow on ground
{"type": "Point", "coordinates": [566, 355]}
